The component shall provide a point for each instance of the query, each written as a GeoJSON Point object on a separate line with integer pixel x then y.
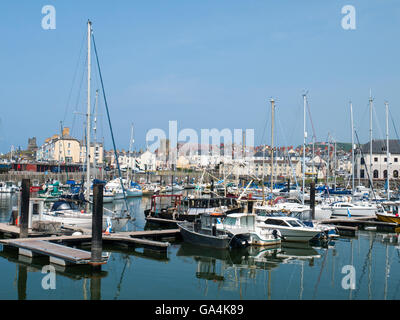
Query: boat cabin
{"type": "Point", "coordinates": [284, 222]}
{"type": "Point", "coordinates": [161, 202]}
{"type": "Point", "coordinates": [239, 222]}
{"type": "Point", "coordinates": [211, 202]}
{"type": "Point", "coordinates": [390, 207]}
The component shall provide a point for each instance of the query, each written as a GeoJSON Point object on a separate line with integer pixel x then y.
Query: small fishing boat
{"type": "Point", "coordinates": [172, 206]}
{"type": "Point", "coordinates": [389, 212]}
{"type": "Point", "coordinates": [204, 232]}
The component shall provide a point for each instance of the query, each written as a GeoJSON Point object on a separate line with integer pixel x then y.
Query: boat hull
{"type": "Point", "coordinates": [388, 218]}
{"type": "Point", "coordinates": [354, 212]}
{"type": "Point", "coordinates": [203, 239]}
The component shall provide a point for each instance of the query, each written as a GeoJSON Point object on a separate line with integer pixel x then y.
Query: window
{"type": "Point", "coordinates": [362, 161]}
{"type": "Point", "coordinates": [385, 174]}
{"type": "Point", "coordinates": [385, 160]}
{"type": "Point", "coordinates": [396, 159]}
{"type": "Point", "coordinates": [395, 174]}
{"type": "Point", "coordinates": [376, 159]}
{"type": "Point", "coordinates": [362, 173]}
{"type": "Point", "coordinates": [293, 223]}
{"type": "Point", "coordinates": [376, 174]}
{"type": "Point", "coordinates": [230, 221]}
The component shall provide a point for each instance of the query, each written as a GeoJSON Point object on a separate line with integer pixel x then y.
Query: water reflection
{"type": "Point", "coordinates": [290, 271]}
{"type": "Point", "coordinates": [26, 265]}
{"type": "Point", "coordinates": [7, 201]}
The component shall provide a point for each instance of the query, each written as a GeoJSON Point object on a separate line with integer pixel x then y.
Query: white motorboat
{"type": "Point", "coordinates": [131, 190]}
{"type": "Point", "coordinates": [8, 187]}
{"type": "Point", "coordinates": [350, 209]}
{"type": "Point", "coordinates": [68, 214]}
{"type": "Point", "coordinates": [291, 229]}
{"type": "Point", "coordinates": [245, 223]}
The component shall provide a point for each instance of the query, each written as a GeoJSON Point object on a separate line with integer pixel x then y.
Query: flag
{"type": "Point", "coordinates": [348, 213]}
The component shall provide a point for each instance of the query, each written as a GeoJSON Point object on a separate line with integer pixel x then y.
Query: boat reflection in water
{"type": "Point", "coordinates": [224, 265]}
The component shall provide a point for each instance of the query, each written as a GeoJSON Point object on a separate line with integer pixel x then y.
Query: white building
{"type": "Point", "coordinates": [379, 161]}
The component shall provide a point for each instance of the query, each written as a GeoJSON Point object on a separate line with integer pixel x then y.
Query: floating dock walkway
{"type": "Point", "coordinates": [54, 246]}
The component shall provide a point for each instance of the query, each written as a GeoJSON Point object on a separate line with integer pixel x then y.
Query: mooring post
{"type": "Point", "coordinates": [24, 218]}
{"type": "Point", "coordinates": [288, 186]}
{"type": "Point", "coordinates": [22, 279]}
{"type": "Point", "coordinates": [97, 226]}
{"type": "Point", "coordinates": [95, 288]}
{"type": "Point", "coordinates": [312, 200]}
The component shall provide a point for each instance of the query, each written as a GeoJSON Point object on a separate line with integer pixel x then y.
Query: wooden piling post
{"type": "Point", "coordinates": [24, 218]}
{"type": "Point", "coordinates": [22, 279]}
{"type": "Point", "coordinates": [312, 200]}
{"type": "Point", "coordinates": [288, 186]}
{"type": "Point", "coordinates": [97, 226]}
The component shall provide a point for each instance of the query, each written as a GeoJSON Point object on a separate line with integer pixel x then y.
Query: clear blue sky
{"type": "Point", "coordinates": [206, 64]}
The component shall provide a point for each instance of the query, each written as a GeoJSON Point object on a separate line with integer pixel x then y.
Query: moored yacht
{"type": "Point", "coordinates": [291, 229]}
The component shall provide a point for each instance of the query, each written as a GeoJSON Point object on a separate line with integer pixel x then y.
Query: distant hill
{"type": "Point", "coordinates": [345, 146]}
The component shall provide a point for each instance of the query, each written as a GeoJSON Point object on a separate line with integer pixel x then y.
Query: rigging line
{"type": "Point", "coordinates": [365, 113]}
{"type": "Point", "coordinates": [366, 167]}
{"type": "Point", "coordinates": [382, 140]}
{"type": "Point", "coordinates": [127, 258]}
{"type": "Point", "coordinates": [312, 124]}
{"type": "Point", "coordinates": [74, 77]}
{"type": "Point", "coordinates": [287, 150]}
{"type": "Point", "coordinates": [264, 134]}
{"type": "Point", "coordinates": [77, 99]}
{"type": "Point", "coordinates": [320, 273]}
{"type": "Point", "coordinates": [365, 265]}
{"type": "Point", "coordinates": [394, 126]}
{"type": "Point", "coordinates": [398, 283]}
{"type": "Point", "coordinates": [109, 122]}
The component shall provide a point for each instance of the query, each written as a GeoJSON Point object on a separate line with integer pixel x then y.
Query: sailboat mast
{"type": "Point", "coordinates": [352, 148]}
{"type": "Point", "coordinates": [334, 165]}
{"type": "Point", "coordinates": [370, 138]}
{"type": "Point", "coordinates": [95, 134]}
{"type": "Point", "coordinates": [88, 113]}
{"type": "Point", "coordinates": [130, 156]}
{"type": "Point", "coordinates": [387, 149]}
{"type": "Point", "coordinates": [304, 146]}
{"type": "Point", "coordinates": [272, 143]}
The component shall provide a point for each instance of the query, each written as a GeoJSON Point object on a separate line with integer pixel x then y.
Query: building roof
{"type": "Point", "coordinates": [379, 147]}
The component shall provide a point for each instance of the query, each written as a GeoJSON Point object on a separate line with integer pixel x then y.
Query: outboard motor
{"type": "Point", "coordinates": [277, 234]}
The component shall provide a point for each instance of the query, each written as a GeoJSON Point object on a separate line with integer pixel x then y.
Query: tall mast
{"type": "Point", "coordinates": [88, 114]}
{"type": "Point", "coordinates": [95, 135]}
{"type": "Point", "coordinates": [352, 148]}
{"type": "Point", "coordinates": [272, 143]}
{"type": "Point", "coordinates": [370, 138]}
{"type": "Point", "coordinates": [334, 165]}
{"type": "Point", "coordinates": [304, 145]}
{"type": "Point", "coordinates": [130, 155]}
{"type": "Point", "coordinates": [387, 149]}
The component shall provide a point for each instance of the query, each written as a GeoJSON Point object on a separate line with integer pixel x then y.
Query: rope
{"type": "Point", "coordinates": [109, 122]}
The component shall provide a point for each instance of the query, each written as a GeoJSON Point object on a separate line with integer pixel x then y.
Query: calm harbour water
{"type": "Point", "coordinates": [191, 272]}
